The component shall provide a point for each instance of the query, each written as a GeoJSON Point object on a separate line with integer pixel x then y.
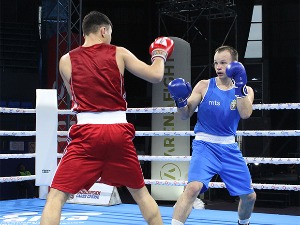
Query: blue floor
{"type": "Point", "coordinates": [28, 211]}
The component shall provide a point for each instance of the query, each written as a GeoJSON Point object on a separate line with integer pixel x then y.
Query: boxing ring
{"type": "Point", "coordinates": [28, 211]}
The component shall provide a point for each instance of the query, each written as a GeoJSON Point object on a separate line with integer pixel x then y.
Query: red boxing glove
{"type": "Point", "coordinates": [161, 47]}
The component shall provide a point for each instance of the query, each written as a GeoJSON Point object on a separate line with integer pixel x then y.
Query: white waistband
{"type": "Point", "coordinates": [215, 139]}
{"type": "Point", "coordinates": [101, 117]}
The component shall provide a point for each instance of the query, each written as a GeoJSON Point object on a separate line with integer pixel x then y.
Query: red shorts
{"type": "Point", "coordinates": [99, 150]}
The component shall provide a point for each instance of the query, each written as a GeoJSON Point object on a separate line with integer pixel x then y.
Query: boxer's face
{"type": "Point", "coordinates": [221, 60]}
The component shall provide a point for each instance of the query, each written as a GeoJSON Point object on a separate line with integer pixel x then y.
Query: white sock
{"type": "Point", "coordinates": [176, 222]}
{"type": "Point", "coordinates": [246, 221]}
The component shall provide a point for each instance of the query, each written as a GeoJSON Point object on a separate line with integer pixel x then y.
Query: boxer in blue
{"type": "Point", "coordinates": [222, 101]}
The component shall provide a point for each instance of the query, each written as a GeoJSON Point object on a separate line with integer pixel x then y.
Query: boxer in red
{"type": "Point", "coordinates": [100, 144]}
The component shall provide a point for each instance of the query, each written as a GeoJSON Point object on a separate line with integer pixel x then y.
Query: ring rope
{"type": "Point", "coordinates": [16, 110]}
{"type": "Point", "coordinates": [277, 106]}
{"type": "Point", "coordinates": [17, 178]}
{"type": "Point", "coordinates": [17, 156]}
{"type": "Point", "coordinates": [267, 160]}
{"type": "Point", "coordinates": [238, 133]}
{"type": "Point", "coordinates": [17, 133]}
{"type": "Point", "coordinates": [277, 133]}
{"type": "Point", "coordinates": [284, 187]}
{"type": "Point", "coordinates": [248, 159]}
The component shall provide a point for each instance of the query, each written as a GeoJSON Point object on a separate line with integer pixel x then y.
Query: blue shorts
{"type": "Point", "coordinates": [226, 160]}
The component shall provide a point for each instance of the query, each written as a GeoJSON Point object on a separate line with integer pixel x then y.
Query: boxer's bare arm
{"type": "Point", "coordinates": [151, 73]}
{"type": "Point", "coordinates": [160, 50]}
{"type": "Point", "coordinates": [65, 69]}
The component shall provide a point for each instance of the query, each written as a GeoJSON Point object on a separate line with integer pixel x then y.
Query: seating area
{"type": "Point", "coordinates": [19, 63]}
{"type": "Point", "coordinates": [16, 104]}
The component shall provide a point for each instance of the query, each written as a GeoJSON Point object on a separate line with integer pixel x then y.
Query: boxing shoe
{"type": "Point", "coordinates": [198, 204]}
{"type": "Point", "coordinates": [243, 224]}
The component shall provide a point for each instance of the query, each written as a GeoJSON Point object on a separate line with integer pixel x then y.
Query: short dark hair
{"type": "Point", "coordinates": [93, 20]}
{"type": "Point", "coordinates": [234, 54]}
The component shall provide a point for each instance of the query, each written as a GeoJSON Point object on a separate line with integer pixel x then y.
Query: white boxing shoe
{"type": "Point", "coordinates": [198, 204]}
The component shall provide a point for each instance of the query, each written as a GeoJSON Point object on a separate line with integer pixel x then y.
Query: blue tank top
{"type": "Point", "coordinates": [217, 112]}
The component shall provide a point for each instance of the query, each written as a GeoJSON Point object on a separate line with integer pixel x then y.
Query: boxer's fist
{"type": "Point", "coordinates": [180, 91]}
{"type": "Point", "coordinates": [236, 71]}
{"type": "Point", "coordinates": [161, 47]}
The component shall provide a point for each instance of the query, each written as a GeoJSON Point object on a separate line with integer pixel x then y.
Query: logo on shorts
{"type": "Point", "coordinates": [170, 171]}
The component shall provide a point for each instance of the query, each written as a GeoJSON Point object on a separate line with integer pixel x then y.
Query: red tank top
{"type": "Point", "coordinates": [96, 82]}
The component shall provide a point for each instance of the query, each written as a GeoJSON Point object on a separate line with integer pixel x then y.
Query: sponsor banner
{"type": "Point", "coordinates": [98, 194]}
{"type": "Point", "coordinates": [46, 136]}
{"type": "Point", "coordinates": [178, 65]}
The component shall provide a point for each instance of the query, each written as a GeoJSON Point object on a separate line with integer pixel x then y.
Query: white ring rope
{"type": "Point", "coordinates": [278, 133]}
{"type": "Point", "coordinates": [267, 160]}
{"type": "Point", "coordinates": [17, 133]}
{"type": "Point", "coordinates": [248, 159]}
{"type": "Point", "coordinates": [277, 106]}
{"type": "Point", "coordinates": [16, 178]}
{"type": "Point", "coordinates": [285, 187]}
{"type": "Point", "coordinates": [17, 156]}
{"type": "Point", "coordinates": [278, 187]}
{"type": "Point", "coordinates": [16, 110]}
{"type": "Point", "coordinates": [238, 133]}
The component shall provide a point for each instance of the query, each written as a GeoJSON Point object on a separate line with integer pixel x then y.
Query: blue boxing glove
{"type": "Point", "coordinates": [236, 71]}
{"type": "Point", "coordinates": [180, 91]}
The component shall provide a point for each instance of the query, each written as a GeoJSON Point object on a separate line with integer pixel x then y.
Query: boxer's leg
{"type": "Point", "coordinates": [147, 205]}
{"type": "Point", "coordinates": [52, 210]}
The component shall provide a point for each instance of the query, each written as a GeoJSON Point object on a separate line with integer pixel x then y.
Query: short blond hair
{"type": "Point", "coordinates": [234, 54]}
